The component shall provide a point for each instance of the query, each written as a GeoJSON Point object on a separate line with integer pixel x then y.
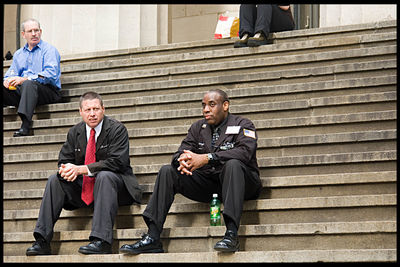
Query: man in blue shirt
{"type": "Point", "coordinates": [34, 76]}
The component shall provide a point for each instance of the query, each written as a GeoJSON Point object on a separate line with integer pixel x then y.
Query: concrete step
{"type": "Point", "coordinates": [367, 30]}
{"type": "Point", "coordinates": [333, 235]}
{"type": "Point", "coordinates": [292, 256]}
{"type": "Point", "coordinates": [122, 59]}
{"type": "Point", "coordinates": [125, 86]}
{"type": "Point", "coordinates": [271, 124]}
{"type": "Point", "coordinates": [261, 211]}
{"type": "Point", "coordinates": [150, 164]}
{"type": "Point", "coordinates": [274, 187]}
{"type": "Point", "coordinates": [307, 105]}
{"type": "Point", "coordinates": [292, 91]}
{"type": "Point", "coordinates": [40, 171]}
{"type": "Point", "coordinates": [270, 145]}
{"type": "Point", "coordinates": [175, 65]}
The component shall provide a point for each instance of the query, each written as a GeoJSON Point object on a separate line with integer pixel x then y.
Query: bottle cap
{"type": "Point", "coordinates": [215, 195]}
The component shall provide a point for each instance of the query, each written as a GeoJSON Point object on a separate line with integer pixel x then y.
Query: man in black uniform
{"type": "Point", "coordinates": [218, 155]}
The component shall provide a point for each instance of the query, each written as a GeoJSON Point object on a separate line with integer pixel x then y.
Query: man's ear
{"type": "Point", "coordinates": [226, 106]}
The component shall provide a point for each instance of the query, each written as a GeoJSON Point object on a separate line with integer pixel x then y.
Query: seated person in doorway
{"type": "Point", "coordinates": [94, 171]}
{"type": "Point", "coordinates": [218, 155]}
{"type": "Point", "coordinates": [257, 21]}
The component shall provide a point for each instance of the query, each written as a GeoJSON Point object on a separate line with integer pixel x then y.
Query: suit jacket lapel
{"type": "Point", "coordinates": [81, 137]}
{"type": "Point", "coordinates": [103, 134]}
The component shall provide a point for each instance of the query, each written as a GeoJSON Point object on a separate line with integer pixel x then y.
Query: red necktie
{"type": "Point", "coordinates": [90, 157]}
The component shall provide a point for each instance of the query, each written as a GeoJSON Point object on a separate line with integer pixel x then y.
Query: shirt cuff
{"type": "Point", "coordinates": [89, 173]}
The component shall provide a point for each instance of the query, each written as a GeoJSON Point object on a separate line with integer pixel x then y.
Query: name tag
{"type": "Point", "coordinates": [232, 130]}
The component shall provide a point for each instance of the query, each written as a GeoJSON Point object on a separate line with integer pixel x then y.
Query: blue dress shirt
{"type": "Point", "coordinates": [41, 64]}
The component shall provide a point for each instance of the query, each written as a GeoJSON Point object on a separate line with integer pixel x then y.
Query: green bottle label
{"type": "Point", "coordinates": [215, 214]}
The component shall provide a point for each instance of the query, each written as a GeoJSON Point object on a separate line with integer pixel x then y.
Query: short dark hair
{"type": "Point", "coordinates": [222, 93]}
{"type": "Point", "coordinates": [89, 96]}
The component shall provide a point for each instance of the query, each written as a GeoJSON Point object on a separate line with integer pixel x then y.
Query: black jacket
{"type": "Point", "coordinates": [112, 152]}
{"type": "Point", "coordinates": [234, 143]}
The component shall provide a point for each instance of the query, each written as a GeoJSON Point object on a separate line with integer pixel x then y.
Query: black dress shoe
{"type": "Point", "coordinates": [146, 245]}
{"type": "Point", "coordinates": [230, 242]}
{"type": "Point", "coordinates": [97, 246]}
{"type": "Point", "coordinates": [23, 132]}
{"type": "Point", "coordinates": [40, 247]}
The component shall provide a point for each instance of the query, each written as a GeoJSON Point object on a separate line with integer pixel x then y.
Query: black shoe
{"type": "Point", "coordinates": [97, 246]}
{"type": "Point", "coordinates": [40, 247]}
{"type": "Point", "coordinates": [257, 41]}
{"type": "Point", "coordinates": [23, 132]}
{"type": "Point", "coordinates": [146, 245]}
{"type": "Point", "coordinates": [230, 242]}
{"type": "Point", "coordinates": [242, 42]}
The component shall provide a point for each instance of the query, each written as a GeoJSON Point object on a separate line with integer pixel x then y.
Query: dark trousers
{"type": "Point", "coordinates": [29, 95]}
{"type": "Point", "coordinates": [264, 18]}
{"type": "Point", "coordinates": [109, 192]}
{"type": "Point", "coordinates": [234, 184]}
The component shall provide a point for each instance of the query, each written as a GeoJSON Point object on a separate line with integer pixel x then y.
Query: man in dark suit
{"type": "Point", "coordinates": [218, 155]}
{"type": "Point", "coordinates": [113, 182]}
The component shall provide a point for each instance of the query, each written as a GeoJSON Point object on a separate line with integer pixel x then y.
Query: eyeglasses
{"type": "Point", "coordinates": [33, 31]}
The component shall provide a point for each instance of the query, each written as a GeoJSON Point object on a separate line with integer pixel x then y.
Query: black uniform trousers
{"type": "Point", "coordinates": [29, 95]}
{"type": "Point", "coordinates": [234, 184]}
{"type": "Point", "coordinates": [265, 18]}
{"type": "Point", "coordinates": [109, 192]}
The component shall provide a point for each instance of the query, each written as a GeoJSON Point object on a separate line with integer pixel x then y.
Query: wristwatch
{"type": "Point", "coordinates": [210, 157]}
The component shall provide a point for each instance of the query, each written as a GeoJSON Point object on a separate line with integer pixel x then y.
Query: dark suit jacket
{"type": "Point", "coordinates": [112, 152]}
{"type": "Point", "coordinates": [238, 143]}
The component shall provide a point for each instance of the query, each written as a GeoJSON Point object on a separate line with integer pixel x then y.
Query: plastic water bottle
{"type": "Point", "coordinates": [215, 211]}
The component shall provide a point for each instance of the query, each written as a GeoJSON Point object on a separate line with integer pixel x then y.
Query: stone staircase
{"type": "Point", "coordinates": [324, 105]}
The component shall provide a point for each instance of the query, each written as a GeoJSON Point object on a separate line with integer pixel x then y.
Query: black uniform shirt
{"type": "Point", "coordinates": [237, 140]}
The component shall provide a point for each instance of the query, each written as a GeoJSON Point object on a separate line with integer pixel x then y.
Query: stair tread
{"type": "Point", "coordinates": [313, 32]}
{"type": "Point", "coordinates": [233, 93]}
{"type": "Point", "coordinates": [232, 64]}
{"type": "Point", "coordinates": [239, 108]}
{"type": "Point", "coordinates": [258, 205]}
{"type": "Point", "coordinates": [342, 255]}
{"type": "Point", "coordinates": [270, 182]}
{"type": "Point", "coordinates": [320, 228]}
{"type": "Point", "coordinates": [260, 124]}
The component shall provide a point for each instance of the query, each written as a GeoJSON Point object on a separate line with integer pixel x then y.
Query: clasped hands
{"type": "Point", "coordinates": [70, 171]}
{"type": "Point", "coordinates": [189, 161]}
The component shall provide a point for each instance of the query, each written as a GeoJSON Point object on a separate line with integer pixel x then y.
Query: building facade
{"type": "Point", "coordinates": [76, 29]}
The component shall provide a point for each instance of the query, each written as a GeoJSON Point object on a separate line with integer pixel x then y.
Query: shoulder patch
{"type": "Point", "coordinates": [249, 133]}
